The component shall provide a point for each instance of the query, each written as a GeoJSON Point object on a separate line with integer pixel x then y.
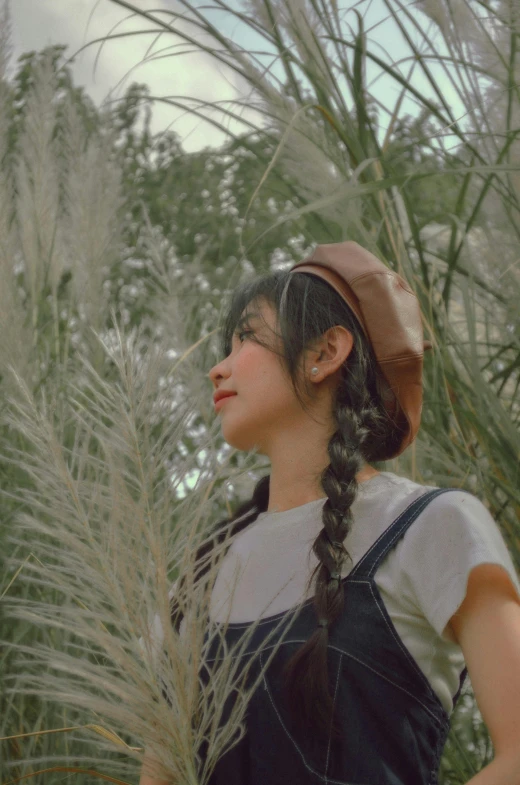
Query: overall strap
{"type": "Point", "coordinates": [369, 563]}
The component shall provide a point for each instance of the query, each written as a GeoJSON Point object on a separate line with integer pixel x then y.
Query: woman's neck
{"type": "Point", "coordinates": [305, 496]}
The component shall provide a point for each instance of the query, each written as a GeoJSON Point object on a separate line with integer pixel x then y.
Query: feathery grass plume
{"type": "Point", "coordinates": [5, 59]}
{"type": "Point", "coordinates": [109, 534]}
{"type": "Point", "coordinates": [491, 99]}
{"type": "Point", "coordinates": [174, 292]}
{"type": "Point", "coordinates": [92, 203]}
{"type": "Point", "coordinates": [37, 186]}
{"type": "Point", "coordinates": [172, 299]}
{"type": "Point", "coordinates": [310, 151]}
{"type": "Point", "coordinates": [453, 17]}
{"type": "Point", "coordinates": [302, 24]}
{"type": "Point", "coordinates": [15, 345]}
{"type": "Point", "coordinates": [503, 99]}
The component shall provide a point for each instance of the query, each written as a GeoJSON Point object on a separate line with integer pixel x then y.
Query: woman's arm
{"type": "Point", "coordinates": [487, 628]}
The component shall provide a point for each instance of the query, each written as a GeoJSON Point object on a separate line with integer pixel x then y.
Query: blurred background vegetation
{"type": "Point", "coordinates": [98, 215]}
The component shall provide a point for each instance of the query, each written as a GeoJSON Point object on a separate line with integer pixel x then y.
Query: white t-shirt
{"type": "Point", "coordinates": [422, 581]}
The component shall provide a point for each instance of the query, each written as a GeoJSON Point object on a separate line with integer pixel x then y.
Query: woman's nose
{"type": "Point", "coordinates": [215, 373]}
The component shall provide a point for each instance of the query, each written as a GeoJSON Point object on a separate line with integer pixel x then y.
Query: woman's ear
{"type": "Point", "coordinates": [332, 350]}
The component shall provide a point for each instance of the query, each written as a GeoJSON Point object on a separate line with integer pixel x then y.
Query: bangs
{"type": "Point", "coordinates": [245, 304]}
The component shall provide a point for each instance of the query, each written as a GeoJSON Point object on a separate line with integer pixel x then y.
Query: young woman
{"type": "Point", "coordinates": [404, 587]}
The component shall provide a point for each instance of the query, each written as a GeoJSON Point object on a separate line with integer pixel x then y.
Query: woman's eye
{"type": "Point", "coordinates": [244, 332]}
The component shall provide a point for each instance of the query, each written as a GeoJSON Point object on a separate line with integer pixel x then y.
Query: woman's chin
{"type": "Point", "coordinates": [237, 438]}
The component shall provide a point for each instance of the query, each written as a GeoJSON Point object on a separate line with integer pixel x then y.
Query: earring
{"type": "Point", "coordinates": [314, 370]}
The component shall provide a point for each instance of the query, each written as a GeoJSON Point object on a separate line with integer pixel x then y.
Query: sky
{"type": "Point", "coordinates": [38, 23]}
{"type": "Point", "coordinates": [100, 68]}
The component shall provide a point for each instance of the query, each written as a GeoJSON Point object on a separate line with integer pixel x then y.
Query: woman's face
{"type": "Point", "coordinates": [265, 403]}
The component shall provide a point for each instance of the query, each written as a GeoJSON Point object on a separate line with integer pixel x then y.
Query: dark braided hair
{"type": "Point", "coordinates": [306, 308]}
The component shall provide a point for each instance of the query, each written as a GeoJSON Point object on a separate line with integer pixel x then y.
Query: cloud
{"type": "Point", "coordinates": [192, 74]}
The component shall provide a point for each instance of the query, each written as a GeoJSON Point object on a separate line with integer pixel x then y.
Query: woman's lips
{"type": "Point", "coordinates": [220, 402]}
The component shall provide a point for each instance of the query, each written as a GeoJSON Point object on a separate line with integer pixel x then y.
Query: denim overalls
{"type": "Point", "coordinates": [393, 726]}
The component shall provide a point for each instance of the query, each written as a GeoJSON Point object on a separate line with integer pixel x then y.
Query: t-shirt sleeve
{"type": "Point", "coordinates": [453, 534]}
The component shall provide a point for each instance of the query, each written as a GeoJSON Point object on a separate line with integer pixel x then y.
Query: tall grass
{"type": "Point", "coordinates": [92, 418]}
{"type": "Point", "coordinates": [107, 537]}
{"type": "Point", "coordinates": [98, 524]}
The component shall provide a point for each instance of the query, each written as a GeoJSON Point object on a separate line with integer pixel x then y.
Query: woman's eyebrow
{"type": "Point", "coordinates": [247, 318]}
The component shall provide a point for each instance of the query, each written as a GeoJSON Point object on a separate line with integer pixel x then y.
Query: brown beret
{"type": "Point", "coordinates": [388, 311]}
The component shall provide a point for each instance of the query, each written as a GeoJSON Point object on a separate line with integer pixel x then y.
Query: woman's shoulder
{"type": "Point", "coordinates": [456, 512]}
{"type": "Point", "coordinates": [452, 535]}
{"type": "Point", "coordinates": [453, 532]}
{"type": "Point", "coordinates": [408, 490]}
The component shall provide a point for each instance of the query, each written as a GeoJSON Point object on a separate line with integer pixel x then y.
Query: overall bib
{"type": "Point", "coordinates": [393, 725]}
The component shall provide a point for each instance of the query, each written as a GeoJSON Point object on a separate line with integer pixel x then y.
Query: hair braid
{"type": "Point", "coordinates": [357, 418]}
